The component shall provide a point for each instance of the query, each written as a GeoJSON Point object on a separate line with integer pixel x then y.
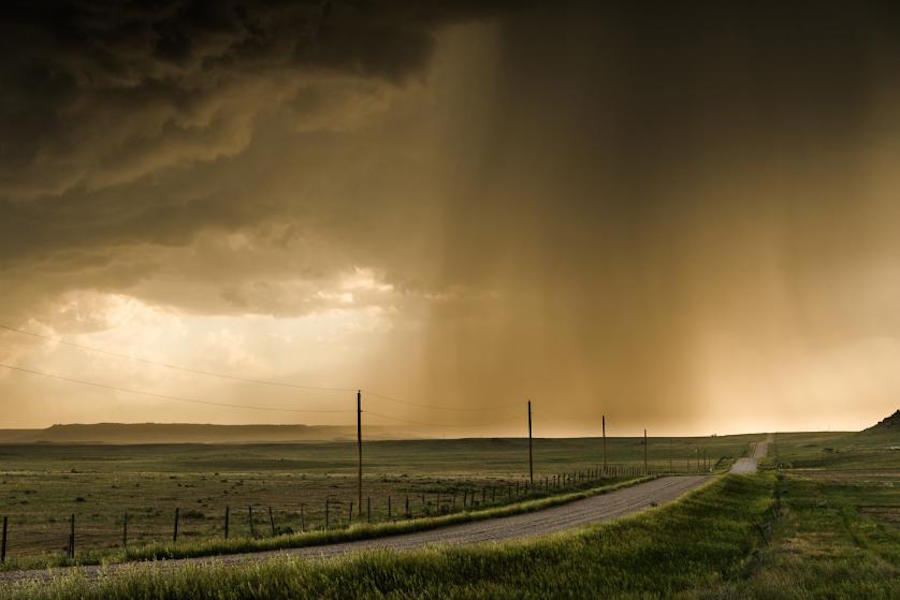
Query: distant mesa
{"type": "Point", "coordinates": [888, 424]}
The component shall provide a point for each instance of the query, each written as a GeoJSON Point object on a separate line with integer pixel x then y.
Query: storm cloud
{"type": "Point", "coordinates": [672, 215]}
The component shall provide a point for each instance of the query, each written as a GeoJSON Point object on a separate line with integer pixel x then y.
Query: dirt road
{"type": "Point", "coordinates": [749, 464]}
{"type": "Point", "coordinates": [580, 512]}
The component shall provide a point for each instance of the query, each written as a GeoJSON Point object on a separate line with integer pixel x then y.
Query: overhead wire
{"type": "Point", "coordinates": [177, 367]}
{"type": "Point", "coordinates": [439, 425]}
{"type": "Point", "coordinates": [168, 396]}
{"type": "Point", "coordinates": [250, 380]}
{"type": "Point", "coordinates": [435, 407]}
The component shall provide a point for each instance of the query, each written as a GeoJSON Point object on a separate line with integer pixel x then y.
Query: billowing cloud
{"type": "Point", "coordinates": [678, 217]}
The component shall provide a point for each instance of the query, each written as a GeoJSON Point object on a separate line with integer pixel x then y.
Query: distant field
{"type": "Point", "coordinates": [837, 532]}
{"type": "Point", "coordinates": [819, 521]}
{"type": "Point", "coordinates": [838, 451]}
{"type": "Point", "coordinates": [42, 485]}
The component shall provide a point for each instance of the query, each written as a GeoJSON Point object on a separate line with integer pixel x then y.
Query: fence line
{"type": "Point", "coordinates": [85, 535]}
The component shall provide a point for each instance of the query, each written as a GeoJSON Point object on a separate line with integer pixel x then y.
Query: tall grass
{"type": "Point", "coordinates": [838, 535]}
{"type": "Point", "coordinates": [358, 531]}
{"type": "Point", "coordinates": [694, 543]}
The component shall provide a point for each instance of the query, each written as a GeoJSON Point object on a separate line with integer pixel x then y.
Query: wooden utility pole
{"type": "Point", "coordinates": [530, 454]}
{"type": "Point", "coordinates": [359, 447]}
{"type": "Point", "coordinates": [604, 444]}
{"type": "Point", "coordinates": [645, 453]}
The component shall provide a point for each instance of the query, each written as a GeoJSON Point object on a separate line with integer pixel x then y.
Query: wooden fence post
{"type": "Point", "coordinates": [227, 519]}
{"type": "Point", "coordinates": [389, 508]}
{"type": "Point", "coordinates": [250, 520]}
{"type": "Point", "coordinates": [272, 520]}
{"type": "Point", "coordinates": [646, 467]}
{"type": "Point", "coordinates": [175, 531]}
{"type": "Point", "coordinates": [125, 532]}
{"type": "Point", "coordinates": [326, 513]}
{"type": "Point", "coordinates": [3, 541]}
{"type": "Point", "coordinates": [406, 507]}
{"type": "Point", "coordinates": [350, 514]}
{"type": "Point", "coordinates": [72, 537]}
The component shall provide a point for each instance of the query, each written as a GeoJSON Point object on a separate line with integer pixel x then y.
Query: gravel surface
{"type": "Point", "coordinates": [748, 465]}
{"type": "Point", "coordinates": [579, 512]}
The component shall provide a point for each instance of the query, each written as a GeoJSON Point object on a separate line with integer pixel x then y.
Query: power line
{"type": "Point", "coordinates": [440, 425]}
{"type": "Point", "coordinates": [167, 396]}
{"type": "Point", "coordinates": [226, 404]}
{"type": "Point", "coordinates": [435, 407]}
{"type": "Point", "coordinates": [177, 367]}
{"type": "Point", "coordinates": [249, 380]}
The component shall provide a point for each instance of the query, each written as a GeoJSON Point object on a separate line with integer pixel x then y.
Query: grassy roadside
{"type": "Point", "coordinates": [359, 531]}
{"type": "Point", "coordinates": [827, 544]}
{"type": "Point", "coordinates": [700, 541]}
{"type": "Point", "coordinates": [838, 534]}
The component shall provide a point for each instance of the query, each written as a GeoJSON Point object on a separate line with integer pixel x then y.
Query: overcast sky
{"type": "Point", "coordinates": [686, 219]}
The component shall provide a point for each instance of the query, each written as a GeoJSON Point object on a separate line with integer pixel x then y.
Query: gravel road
{"type": "Point", "coordinates": [580, 512]}
{"type": "Point", "coordinates": [748, 465]}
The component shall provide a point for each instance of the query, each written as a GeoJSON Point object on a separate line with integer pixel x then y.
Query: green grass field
{"type": "Point", "coordinates": [847, 452]}
{"type": "Point", "coordinates": [695, 543]}
{"type": "Point", "coordinates": [820, 520]}
{"type": "Point", "coordinates": [41, 485]}
{"type": "Point", "coordinates": [838, 530]}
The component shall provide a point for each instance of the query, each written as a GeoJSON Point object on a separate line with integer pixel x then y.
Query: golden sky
{"type": "Point", "coordinates": [686, 220]}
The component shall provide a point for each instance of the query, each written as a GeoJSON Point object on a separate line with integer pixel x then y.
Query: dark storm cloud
{"type": "Point", "coordinates": [99, 93]}
{"type": "Point", "coordinates": [116, 117]}
{"type": "Point", "coordinates": [600, 202]}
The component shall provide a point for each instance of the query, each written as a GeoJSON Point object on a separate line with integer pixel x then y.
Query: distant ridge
{"type": "Point", "coordinates": [180, 433]}
{"type": "Point", "coordinates": [891, 423]}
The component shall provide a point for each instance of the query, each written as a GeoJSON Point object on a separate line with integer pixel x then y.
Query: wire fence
{"type": "Point", "coordinates": [99, 530]}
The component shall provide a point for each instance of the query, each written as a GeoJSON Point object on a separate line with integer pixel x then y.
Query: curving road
{"type": "Point", "coordinates": [579, 512]}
